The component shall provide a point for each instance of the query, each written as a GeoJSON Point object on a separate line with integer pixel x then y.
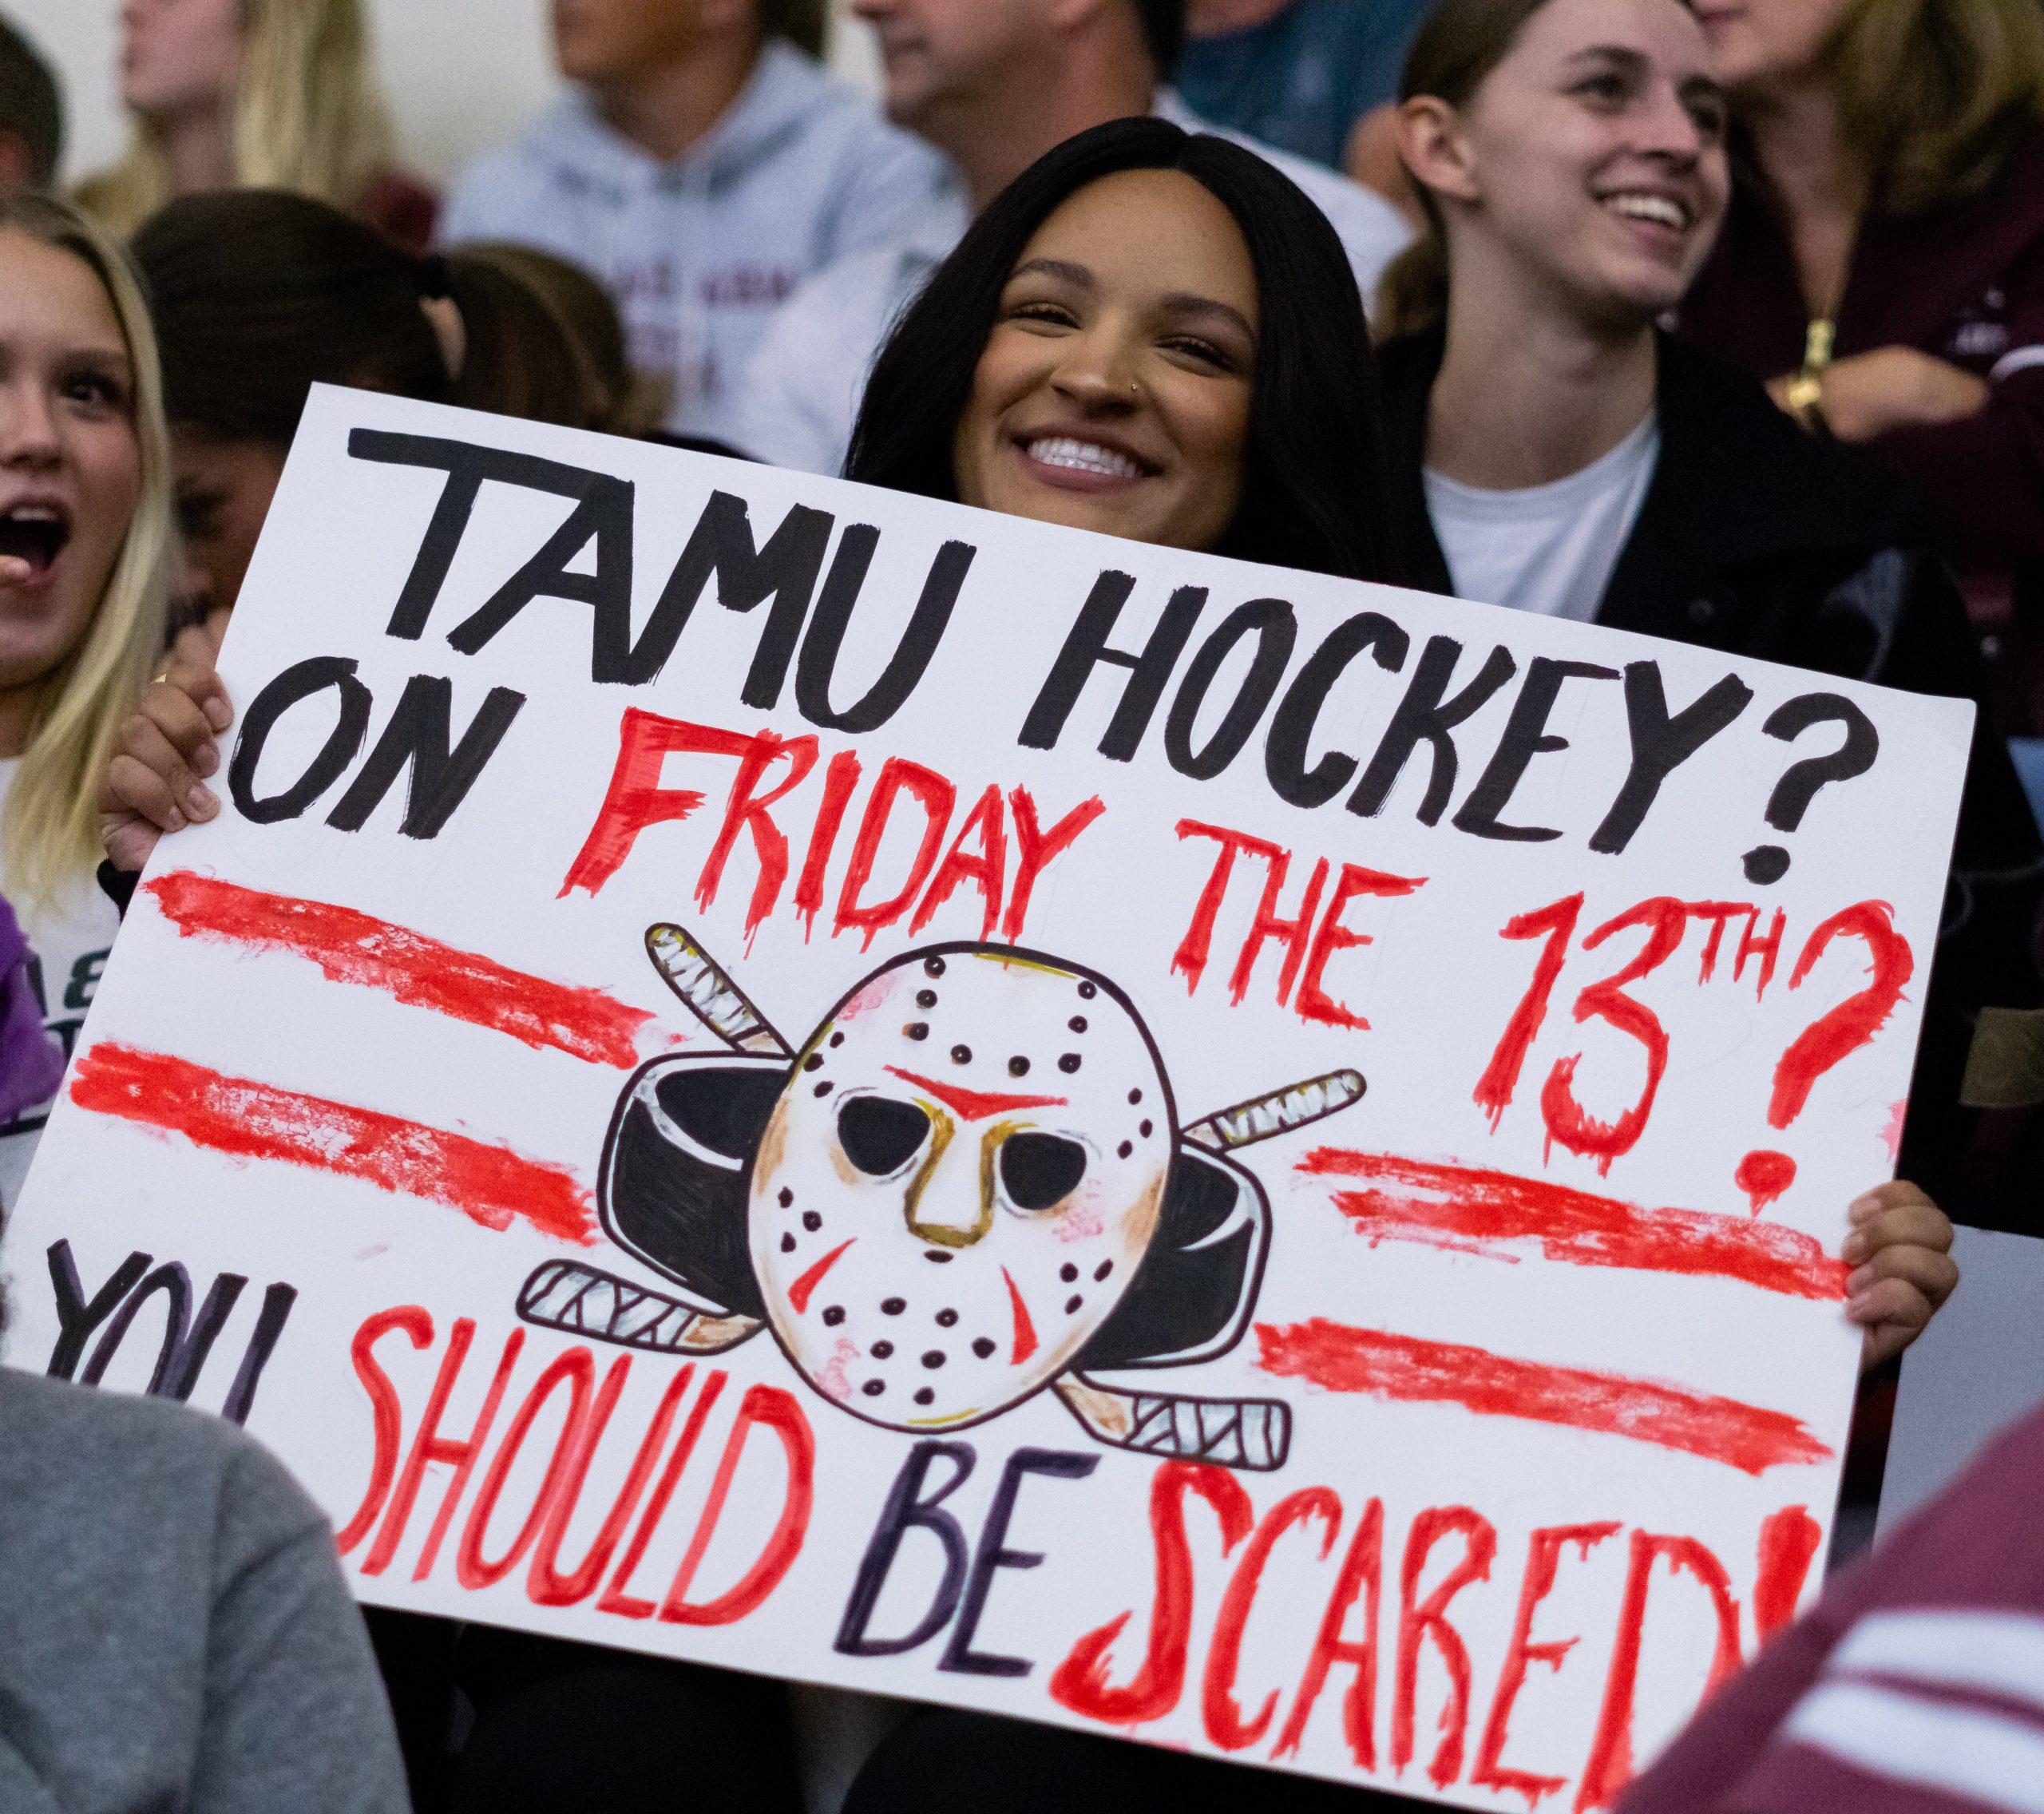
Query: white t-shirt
{"type": "Point", "coordinates": [67, 951]}
{"type": "Point", "coordinates": [1551, 548]}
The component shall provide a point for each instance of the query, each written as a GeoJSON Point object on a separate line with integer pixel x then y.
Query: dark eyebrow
{"type": "Point", "coordinates": [1181, 304]}
{"type": "Point", "coordinates": [1611, 53]}
{"type": "Point", "coordinates": [1058, 267]}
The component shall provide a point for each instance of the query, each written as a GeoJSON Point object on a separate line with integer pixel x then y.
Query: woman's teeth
{"type": "Point", "coordinates": [1084, 457]}
{"type": "Point", "coordinates": [1658, 208]}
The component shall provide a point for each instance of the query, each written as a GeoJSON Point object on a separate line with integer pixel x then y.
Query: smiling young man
{"type": "Point", "coordinates": [993, 84]}
{"type": "Point", "coordinates": [705, 167]}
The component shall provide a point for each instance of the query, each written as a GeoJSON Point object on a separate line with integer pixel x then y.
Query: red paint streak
{"type": "Point", "coordinates": [1854, 1022]}
{"type": "Point", "coordinates": [1789, 1543]}
{"type": "Point", "coordinates": [236, 1116]}
{"type": "Point", "coordinates": [1025, 1331]}
{"type": "Point", "coordinates": [1406, 1370]}
{"type": "Point", "coordinates": [798, 1292]}
{"type": "Point", "coordinates": [975, 1105]}
{"type": "Point", "coordinates": [1471, 1210]}
{"type": "Point", "coordinates": [1764, 1176]}
{"type": "Point", "coordinates": [357, 949]}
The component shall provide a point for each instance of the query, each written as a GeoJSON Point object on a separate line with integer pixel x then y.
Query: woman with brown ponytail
{"type": "Point", "coordinates": [1553, 450]}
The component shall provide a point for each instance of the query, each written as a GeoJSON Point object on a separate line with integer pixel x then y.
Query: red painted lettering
{"type": "Point", "coordinates": [1314, 1002]}
{"type": "Point", "coordinates": [1567, 1121]}
{"type": "Point", "coordinates": [986, 867]}
{"type": "Point", "coordinates": [546, 1585]}
{"type": "Point", "coordinates": [1219, 1712]}
{"type": "Point", "coordinates": [1035, 850]}
{"type": "Point", "coordinates": [635, 799]}
{"type": "Point", "coordinates": [840, 780]}
{"type": "Point", "coordinates": [1362, 1564]}
{"type": "Point", "coordinates": [747, 809]}
{"type": "Point", "coordinates": [770, 1407]}
{"type": "Point", "coordinates": [617, 1596]}
{"type": "Point", "coordinates": [1294, 934]}
{"type": "Point", "coordinates": [1495, 1088]}
{"type": "Point", "coordinates": [1428, 1618]}
{"type": "Point", "coordinates": [1788, 1543]}
{"type": "Point", "coordinates": [1610, 1750]}
{"type": "Point", "coordinates": [936, 796]}
{"type": "Point", "coordinates": [385, 1409]}
{"type": "Point", "coordinates": [576, 1369]}
{"type": "Point", "coordinates": [1543, 1552]}
{"type": "Point", "coordinates": [1080, 1681]}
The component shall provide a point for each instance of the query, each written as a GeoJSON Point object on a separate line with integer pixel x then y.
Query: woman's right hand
{"type": "Point", "coordinates": [154, 781]}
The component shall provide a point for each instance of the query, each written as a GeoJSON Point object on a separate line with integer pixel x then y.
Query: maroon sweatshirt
{"type": "Point", "coordinates": [1915, 1686]}
{"type": "Point", "coordinates": [1965, 284]}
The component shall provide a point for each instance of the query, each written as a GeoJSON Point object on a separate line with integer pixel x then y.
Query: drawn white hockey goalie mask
{"type": "Point", "coordinates": [959, 1185]}
{"type": "Point", "coordinates": [969, 1184]}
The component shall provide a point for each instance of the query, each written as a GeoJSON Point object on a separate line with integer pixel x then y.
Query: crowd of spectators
{"type": "Point", "coordinates": [1721, 320]}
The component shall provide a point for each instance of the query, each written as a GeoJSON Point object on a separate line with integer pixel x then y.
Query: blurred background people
{"type": "Point", "coordinates": [540, 339]}
{"type": "Point", "coordinates": [993, 87]}
{"type": "Point", "coordinates": [31, 116]}
{"type": "Point", "coordinates": [1298, 74]}
{"type": "Point", "coordinates": [705, 166]}
{"type": "Point", "coordinates": [258, 295]}
{"type": "Point", "coordinates": [85, 551]}
{"type": "Point", "coordinates": [1553, 451]}
{"type": "Point", "coordinates": [255, 94]}
{"type": "Point", "coordinates": [1882, 267]}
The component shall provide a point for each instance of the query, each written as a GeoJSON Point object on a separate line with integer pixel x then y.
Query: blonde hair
{"type": "Point", "coordinates": [50, 830]}
{"type": "Point", "coordinates": [1935, 92]}
{"type": "Point", "coordinates": [307, 115]}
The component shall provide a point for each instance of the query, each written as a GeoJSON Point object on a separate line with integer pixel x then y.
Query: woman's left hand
{"type": "Point", "coordinates": [1900, 1252]}
{"type": "Point", "coordinates": [1872, 393]}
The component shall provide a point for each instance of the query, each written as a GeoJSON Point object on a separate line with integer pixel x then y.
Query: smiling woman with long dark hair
{"type": "Point", "coordinates": [1083, 310]}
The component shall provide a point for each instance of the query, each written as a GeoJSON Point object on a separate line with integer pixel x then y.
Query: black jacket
{"type": "Point", "coordinates": [1758, 541]}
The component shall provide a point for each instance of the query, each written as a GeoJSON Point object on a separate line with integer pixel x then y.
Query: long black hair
{"type": "Point", "coordinates": [1314, 486]}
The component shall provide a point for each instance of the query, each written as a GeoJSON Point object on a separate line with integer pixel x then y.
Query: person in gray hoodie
{"type": "Point", "coordinates": [176, 1631]}
{"type": "Point", "coordinates": [704, 166]}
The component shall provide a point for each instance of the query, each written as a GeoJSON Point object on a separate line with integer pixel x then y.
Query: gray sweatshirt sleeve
{"type": "Point", "coordinates": [295, 1712]}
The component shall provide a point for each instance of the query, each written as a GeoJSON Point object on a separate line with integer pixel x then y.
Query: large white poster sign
{"type": "Point", "coordinates": [767, 1071]}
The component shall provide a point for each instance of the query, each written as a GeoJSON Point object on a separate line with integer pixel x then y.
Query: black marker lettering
{"type": "Point", "coordinates": [1086, 648]}
{"type": "Point", "coordinates": [1427, 714]}
{"type": "Point", "coordinates": [1662, 744]}
{"type": "Point", "coordinates": [420, 736]}
{"type": "Point", "coordinates": [1290, 740]}
{"type": "Point", "coordinates": [1276, 629]}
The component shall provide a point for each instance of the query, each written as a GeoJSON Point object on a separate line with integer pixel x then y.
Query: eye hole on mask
{"type": "Point", "coordinates": [879, 1134]}
{"type": "Point", "coordinates": [1040, 1171]}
